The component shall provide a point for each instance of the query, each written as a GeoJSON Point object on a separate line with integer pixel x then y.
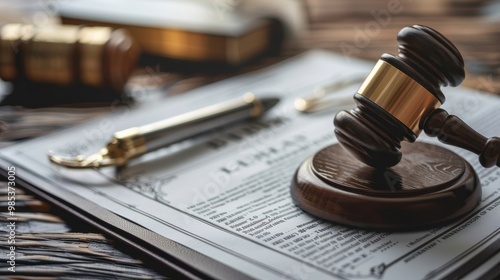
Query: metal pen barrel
{"type": "Point", "coordinates": [182, 127]}
{"type": "Point", "coordinates": [136, 141]}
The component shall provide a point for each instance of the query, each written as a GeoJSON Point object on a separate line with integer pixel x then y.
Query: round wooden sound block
{"type": "Point", "coordinates": [431, 185]}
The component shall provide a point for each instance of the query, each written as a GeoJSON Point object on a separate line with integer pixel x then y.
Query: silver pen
{"type": "Point", "coordinates": [136, 141]}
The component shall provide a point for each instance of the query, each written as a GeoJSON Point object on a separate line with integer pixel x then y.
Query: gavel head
{"type": "Point", "coordinates": [397, 96]}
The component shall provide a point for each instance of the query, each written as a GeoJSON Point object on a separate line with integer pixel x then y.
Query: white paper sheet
{"type": "Point", "coordinates": [226, 194]}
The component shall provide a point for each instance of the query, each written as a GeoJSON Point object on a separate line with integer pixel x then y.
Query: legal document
{"type": "Point", "coordinates": [225, 194]}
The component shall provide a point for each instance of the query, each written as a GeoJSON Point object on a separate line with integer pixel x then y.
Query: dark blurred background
{"type": "Point", "coordinates": [186, 44]}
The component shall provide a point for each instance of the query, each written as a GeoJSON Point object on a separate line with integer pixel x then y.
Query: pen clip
{"type": "Point", "coordinates": [124, 145]}
{"type": "Point", "coordinates": [97, 160]}
{"type": "Point", "coordinates": [323, 97]}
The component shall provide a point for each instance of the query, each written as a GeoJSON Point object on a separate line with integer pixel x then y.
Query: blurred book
{"type": "Point", "coordinates": [190, 30]}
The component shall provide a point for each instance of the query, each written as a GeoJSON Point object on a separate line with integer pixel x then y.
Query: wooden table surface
{"type": "Point", "coordinates": [334, 25]}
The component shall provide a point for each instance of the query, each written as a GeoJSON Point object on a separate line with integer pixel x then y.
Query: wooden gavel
{"type": "Point", "coordinates": [67, 55]}
{"type": "Point", "coordinates": [401, 97]}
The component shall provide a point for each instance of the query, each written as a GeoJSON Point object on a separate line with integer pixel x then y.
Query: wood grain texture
{"type": "Point", "coordinates": [430, 186]}
{"type": "Point", "coordinates": [370, 134]}
{"type": "Point", "coordinates": [452, 130]}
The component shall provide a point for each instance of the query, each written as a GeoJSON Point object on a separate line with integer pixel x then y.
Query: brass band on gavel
{"type": "Point", "coordinates": [399, 95]}
{"type": "Point", "coordinates": [67, 55]}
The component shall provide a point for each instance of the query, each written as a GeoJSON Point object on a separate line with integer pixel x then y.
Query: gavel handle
{"type": "Point", "coordinates": [450, 129]}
